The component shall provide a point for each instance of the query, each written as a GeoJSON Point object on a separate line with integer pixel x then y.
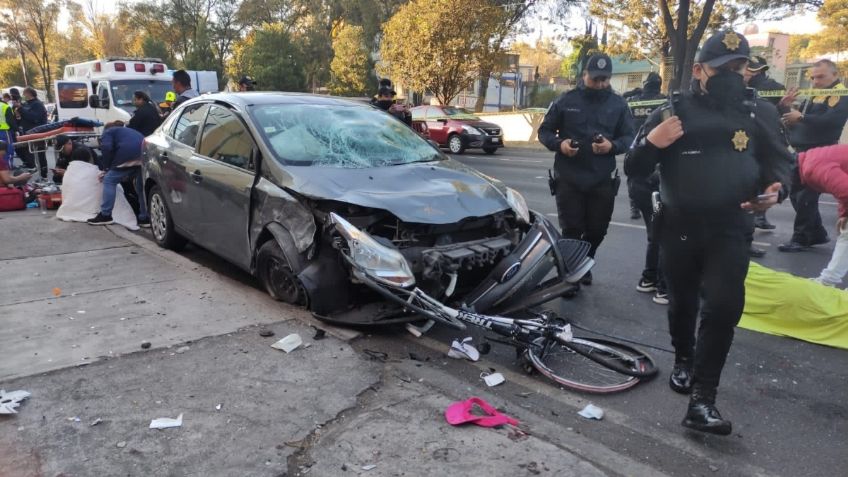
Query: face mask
{"type": "Point", "coordinates": [596, 93]}
{"type": "Point", "coordinates": [384, 104]}
{"type": "Point", "coordinates": [726, 87]}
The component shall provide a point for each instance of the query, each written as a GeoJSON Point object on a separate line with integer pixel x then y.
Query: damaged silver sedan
{"type": "Point", "coordinates": [258, 177]}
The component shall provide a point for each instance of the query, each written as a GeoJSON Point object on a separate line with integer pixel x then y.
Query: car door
{"type": "Point", "coordinates": [178, 162]}
{"type": "Point", "coordinates": [437, 125]}
{"type": "Point", "coordinates": [224, 172]}
{"type": "Point", "coordinates": [72, 100]}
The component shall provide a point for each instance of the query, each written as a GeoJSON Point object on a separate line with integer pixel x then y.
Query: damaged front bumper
{"type": "Point", "coordinates": [540, 268]}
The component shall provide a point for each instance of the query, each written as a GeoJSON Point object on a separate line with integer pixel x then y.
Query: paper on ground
{"type": "Point", "coordinates": [289, 343]}
{"type": "Point", "coordinates": [166, 422]}
{"type": "Point", "coordinates": [592, 412]}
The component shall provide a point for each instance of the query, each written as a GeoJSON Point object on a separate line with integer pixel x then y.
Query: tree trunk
{"type": "Point", "coordinates": [482, 89]}
{"type": "Point", "coordinates": [24, 68]}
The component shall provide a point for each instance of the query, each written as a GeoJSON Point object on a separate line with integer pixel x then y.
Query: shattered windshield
{"type": "Point", "coordinates": [351, 137]}
{"type": "Point", "coordinates": [459, 113]}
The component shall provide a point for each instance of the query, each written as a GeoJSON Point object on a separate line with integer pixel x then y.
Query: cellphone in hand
{"type": "Point", "coordinates": [575, 144]}
{"type": "Point", "coordinates": [598, 138]}
{"type": "Point", "coordinates": [765, 197]}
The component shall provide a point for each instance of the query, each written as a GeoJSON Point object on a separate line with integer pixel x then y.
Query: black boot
{"type": "Point", "coordinates": [702, 414]}
{"type": "Point", "coordinates": [635, 214]}
{"type": "Point", "coordinates": [761, 222]}
{"type": "Point", "coordinates": [680, 380]}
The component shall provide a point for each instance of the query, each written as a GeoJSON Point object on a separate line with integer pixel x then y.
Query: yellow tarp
{"type": "Point", "coordinates": [782, 304]}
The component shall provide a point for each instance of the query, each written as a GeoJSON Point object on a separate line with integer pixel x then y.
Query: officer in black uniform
{"type": "Point", "coordinates": [718, 159]}
{"type": "Point", "coordinates": [641, 188]}
{"type": "Point", "coordinates": [587, 127]}
{"type": "Point", "coordinates": [756, 77]}
{"type": "Point", "coordinates": [385, 100]}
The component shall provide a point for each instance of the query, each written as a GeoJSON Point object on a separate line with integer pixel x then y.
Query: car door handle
{"type": "Point", "coordinates": [197, 177]}
{"type": "Point", "coordinates": [164, 156]}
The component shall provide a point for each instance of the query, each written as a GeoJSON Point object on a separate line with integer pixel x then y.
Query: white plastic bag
{"type": "Point", "coordinates": [81, 195]}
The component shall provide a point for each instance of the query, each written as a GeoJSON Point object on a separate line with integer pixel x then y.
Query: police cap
{"type": "Point", "coordinates": [724, 47]}
{"type": "Point", "coordinates": [757, 63]}
{"type": "Point", "coordinates": [599, 65]}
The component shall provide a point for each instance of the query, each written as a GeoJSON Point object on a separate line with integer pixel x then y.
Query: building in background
{"type": "Point", "coordinates": [772, 46]}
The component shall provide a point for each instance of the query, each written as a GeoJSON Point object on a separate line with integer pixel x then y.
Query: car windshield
{"type": "Point", "coordinates": [459, 113]}
{"type": "Point", "coordinates": [351, 137]}
{"type": "Point", "coordinates": [122, 91]}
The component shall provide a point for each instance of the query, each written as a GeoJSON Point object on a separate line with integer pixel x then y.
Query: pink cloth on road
{"type": "Point", "coordinates": [825, 169]}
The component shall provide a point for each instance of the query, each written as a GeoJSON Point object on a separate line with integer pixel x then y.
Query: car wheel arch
{"type": "Point", "coordinates": [278, 232]}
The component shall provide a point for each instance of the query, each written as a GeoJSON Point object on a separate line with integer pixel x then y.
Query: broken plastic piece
{"type": "Point", "coordinates": [369, 467]}
{"type": "Point", "coordinates": [464, 350]}
{"type": "Point", "coordinates": [461, 413]}
{"type": "Point", "coordinates": [289, 343]}
{"type": "Point", "coordinates": [166, 422]}
{"type": "Point", "coordinates": [592, 412]}
{"type": "Point", "coordinates": [9, 401]}
{"type": "Point", "coordinates": [218, 407]}
{"type": "Point", "coordinates": [418, 331]}
{"type": "Point", "coordinates": [493, 379]}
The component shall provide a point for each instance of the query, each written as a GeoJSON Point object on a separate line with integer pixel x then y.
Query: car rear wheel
{"type": "Point", "coordinates": [161, 223]}
{"type": "Point", "coordinates": [455, 144]}
{"type": "Point", "coordinates": [490, 150]}
{"type": "Point", "coordinates": [277, 275]}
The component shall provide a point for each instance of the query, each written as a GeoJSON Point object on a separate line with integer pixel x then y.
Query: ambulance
{"type": "Point", "coordinates": [103, 89]}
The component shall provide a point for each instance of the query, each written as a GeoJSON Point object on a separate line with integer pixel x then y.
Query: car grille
{"type": "Point", "coordinates": [492, 131]}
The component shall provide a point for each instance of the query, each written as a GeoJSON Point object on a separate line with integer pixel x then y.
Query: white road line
{"type": "Point", "coordinates": [642, 227]}
{"type": "Point", "coordinates": [505, 159]}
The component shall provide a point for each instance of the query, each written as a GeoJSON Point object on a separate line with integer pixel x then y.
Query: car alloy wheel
{"type": "Point", "coordinates": [455, 144]}
{"type": "Point", "coordinates": [158, 218]}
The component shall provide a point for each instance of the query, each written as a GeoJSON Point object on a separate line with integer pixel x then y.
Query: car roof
{"type": "Point", "coordinates": [266, 97]}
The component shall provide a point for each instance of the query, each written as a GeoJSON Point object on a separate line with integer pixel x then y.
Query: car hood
{"type": "Point", "coordinates": [440, 192]}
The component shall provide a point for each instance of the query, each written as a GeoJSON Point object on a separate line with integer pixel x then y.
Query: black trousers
{"type": "Point", "coordinates": [705, 261]}
{"type": "Point", "coordinates": [585, 214]}
{"type": "Point", "coordinates": [808, 226]}
{"type": "Point", "coordinates": [652, 271]}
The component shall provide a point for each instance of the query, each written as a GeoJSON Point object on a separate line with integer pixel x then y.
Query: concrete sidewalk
{"type": "Point", "coordinates": [248, 409]}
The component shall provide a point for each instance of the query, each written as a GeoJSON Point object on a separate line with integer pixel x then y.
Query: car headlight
{"type": "Point", "coordinates": [472, 130]}
{"type": "Point", "coordinates": [379, 262]}
{"type": "Point", "coordinates": [518, 204]}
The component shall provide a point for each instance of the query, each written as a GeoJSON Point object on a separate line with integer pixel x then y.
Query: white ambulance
{"type": "Point", "coordinates": [103, 89]}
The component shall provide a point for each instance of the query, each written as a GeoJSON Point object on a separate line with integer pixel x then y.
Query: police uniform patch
{"type": "Point", "coordinates": [602, 63]}
{"type": "Point", "coordinates": [833, 101]}
{"type": "Point", "coordinates": [740, 140]}
{"type": "Point", "coordinates": [731, 41]}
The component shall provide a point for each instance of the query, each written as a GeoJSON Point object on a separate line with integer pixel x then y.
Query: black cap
{"type": "Point", "coordinates": [61, 140]}
{"type": "Point", "coordinates": [724, 47]}
{"type": "Point", "coordinates": [757, 63]}
{"type": "Point", "coordinates": [13, 92]}
{"type": "Point", "coordinates": [247, 80]}
{"type": "Point", "coordinates": [599, 64]}
{"type": "Point", "coordinates": [653, 78]}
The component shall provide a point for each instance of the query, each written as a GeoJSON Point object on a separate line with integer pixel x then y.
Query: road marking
{"type": "Point", "coordinates": [505, 159]}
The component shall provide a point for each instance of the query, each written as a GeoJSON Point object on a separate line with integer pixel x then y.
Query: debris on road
{"type": "Point", "coordinates": [145, 345]}
{"type": "Point", "coordinates": [166, 422]}
{"type": "Point", "coordinates": [218, 407]}
{"type": "Point", "coordinates": [492, 379]}
{"type": "Point", "coordinates": [418, 331]}
{"type": "Point", "coordinates": [74, 419]}
{"type": "Point", "coordinates": [376, 355]}
{"type": "Point", "coordinates": [121, 445]}
{"type": "Point", "coordinates": [464, 350]}
{"type": "Point", "coordinates": [9, 401]}
{"type": "Point", "coordinates": [57, 291]}
{"type": "Point", "coordinates": [289, 343]}
{"type": "Point", "coordinates": [462, 412]}
{"type": "Point", "coordinates": [369, 467]}
{"type": "Point", "coordinates": [182, 349]}
{"type": "Point", "coordinates": [96, 422]}
{"type": "Point", "coordinates": [265, 333]}
{"type": "Point", "coordinates": [319, 334]}
{"type": "Point", "coordinates": [592, 412]}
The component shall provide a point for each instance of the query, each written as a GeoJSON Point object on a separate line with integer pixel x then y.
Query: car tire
{"type": "Point", "coordinates": [277, 276]}
{"type": "Point", "coordinates": [455, 144]}
{"type": "Point", "coordinates": [490, 150]}
{"type": "Point", "coordinates": [161, 223]}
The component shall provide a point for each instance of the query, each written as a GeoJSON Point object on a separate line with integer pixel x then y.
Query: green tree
{"type": "Point", "coordinates": [270, 56]}
{"type": "Point", "coordinates": [833, 38]}
{"type": "Point", "coordinates": [32, 25]}
{"type": "Point", "coordinates": [543, 55]}
{"type": "Point", "coordinates": [350, 62]}
{"type": "Point", "coordinates": [11, 72]}
{"type": "Point", "coordinates": [439, 45]}
{"type": "Point", "coordinates": [152, 47]}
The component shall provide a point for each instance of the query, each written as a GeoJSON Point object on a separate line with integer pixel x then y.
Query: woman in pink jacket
{"type": "Point", "coordinates": [825, 169]}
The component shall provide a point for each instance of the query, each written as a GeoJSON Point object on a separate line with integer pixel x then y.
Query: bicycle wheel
{"type": "Point", "coordinates": [592, 366]}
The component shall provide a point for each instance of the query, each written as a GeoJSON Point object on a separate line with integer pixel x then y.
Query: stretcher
{"type": "Point", "coordinates": [38, 142]}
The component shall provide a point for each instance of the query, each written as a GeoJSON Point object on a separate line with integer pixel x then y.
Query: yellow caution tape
{"type": "Point", "coordinates": [762, 94]}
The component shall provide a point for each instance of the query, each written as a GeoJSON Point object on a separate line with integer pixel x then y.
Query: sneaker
{"type": "Point", "coordinates": [635, 214]}
{"type": "Point", "coordinates": [144, 223]}
{"type": "Point", "coordinates": [646, 286]}
{"type": "Point", "coordinates": [101, 220]}
{"type": "Point", "coordinates": [821, 281]}
{"type": "Point", "coordinates": [661, 298]}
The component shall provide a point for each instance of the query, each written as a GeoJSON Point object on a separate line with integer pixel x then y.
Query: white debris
{"type": "Point", "coordinates": [493, 379]}
{"type": "Point", "coordinates": [182, 350]}
{"type": "Point", "coordinates": [96, 422]}
{"type": "Point", "coordinates": [9, 401]}
{"type": "Point", "coordinates": [218, 407]}
{"type": "Point", "coordinates": [166, 422]}
{"type": "Point", "coordinates": [592, 412]}
{"type": "Point", "coordinates": [369, 467]}
{"type": "Point", "coordinates": [289, 343]}
{"type": "Point", "coordinates": [464, 350]}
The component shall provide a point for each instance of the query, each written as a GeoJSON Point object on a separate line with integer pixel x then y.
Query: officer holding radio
{"type": "Point", "coordinates": [719, 158]}
{"type": "Point", "coordinates": [587, 127]}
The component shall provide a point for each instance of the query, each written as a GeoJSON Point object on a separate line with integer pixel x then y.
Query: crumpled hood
{"type": "Point", "coordinates": [441, 192]}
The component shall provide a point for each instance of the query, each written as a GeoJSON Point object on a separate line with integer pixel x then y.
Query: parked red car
{"type": "Point", "coordinates": [457, 129]}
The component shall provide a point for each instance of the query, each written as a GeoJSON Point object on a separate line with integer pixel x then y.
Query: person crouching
{"type": "Point", "coordinates": [121, 160]}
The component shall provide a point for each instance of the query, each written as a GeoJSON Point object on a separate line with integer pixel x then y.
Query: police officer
{"type": "Point", "coordinates": [246, 83]}
{"type": "Point", "coordinates": [587, 127]}
{"type": "Point", "coordinates": [385, 100]}
{"type": "Point", "coordinates": [641, 188]}
{"type": "Point", "coordinates": [718, 159]}
{"type": "Point", "coordinates": [756, 77]}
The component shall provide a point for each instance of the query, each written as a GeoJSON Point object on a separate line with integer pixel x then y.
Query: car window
{"type": "Point", "coordinates": [189, 123]}
{"type": "Point", "coordinates": [73, 95]}
{"type": "Point", "coordinates": [225, 139]}
{"type": "Point", "coordinates": [459, 113]}
{"type": "Point", "coordinates": [434, 113]}
{"type": "Point", "coordinates": [339, 135]}
{"type": "Point", "coordinates": [418, 114]}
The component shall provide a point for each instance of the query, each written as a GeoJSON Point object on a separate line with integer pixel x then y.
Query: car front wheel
{"type": "Point", "coordinates": [277, 275]}
{"type": "Point", "coordinates": [455, 144]}
{"type": "Point", "coordinates": [161, 223]}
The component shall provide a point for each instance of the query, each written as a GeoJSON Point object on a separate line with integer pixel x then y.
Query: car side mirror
{"type": "Point", "coordinates": [94, 101]}
{"type": "Point", "coordinates": [442, 120]}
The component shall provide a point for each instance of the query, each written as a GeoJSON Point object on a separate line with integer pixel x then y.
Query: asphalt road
{"type": "Point", "coordinates": [786, 398]}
